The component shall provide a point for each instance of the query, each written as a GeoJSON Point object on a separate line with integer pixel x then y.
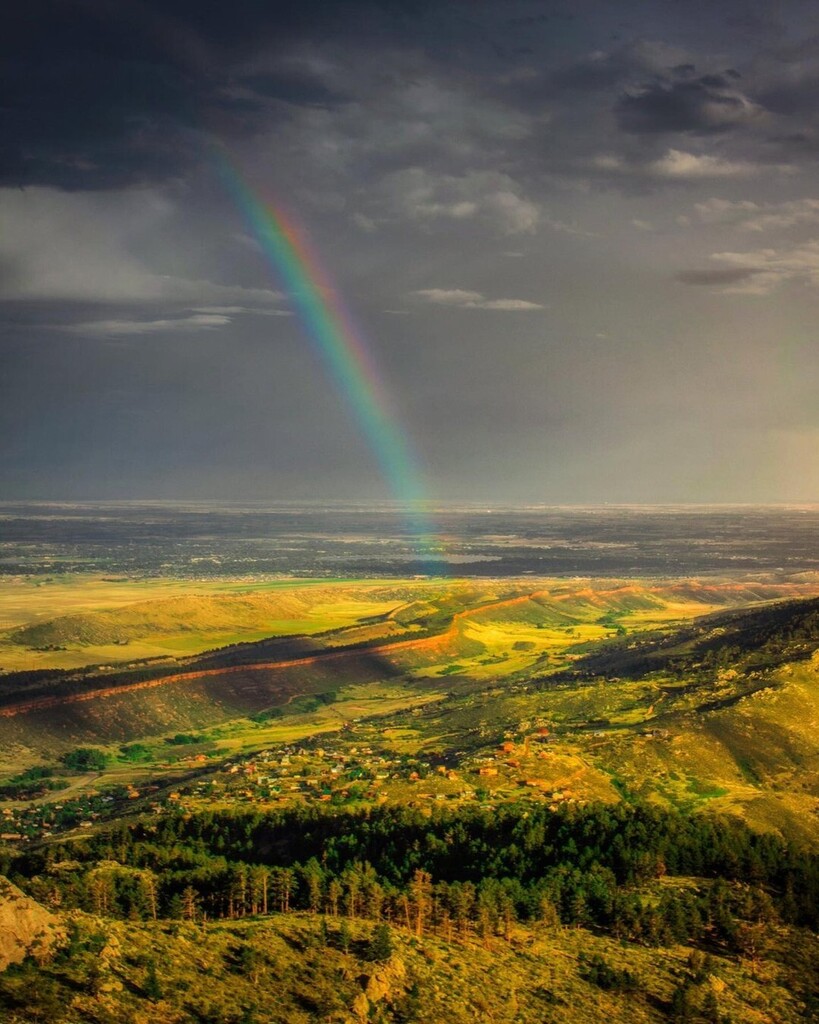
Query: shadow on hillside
{"type": "Point", "coordinates": [317, 670]}
{"type": "Point", "coordinates": [199, 695]}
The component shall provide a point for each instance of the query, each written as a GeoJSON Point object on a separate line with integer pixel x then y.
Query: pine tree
{"type": "Point", "coordinates": [548, 913]}
{"type": "Point", "coordinates": [259, 879]}
{"type": "Point", "coordinates": [151, 986]}
{"type": "Point", "coordinates": [313, 882]}
{"type": "Point", "coordinates": [421, 890]}
{"type": "Point", "coordinates": [147, 884]}
{"type": "Point", "coordinates": [333, 896]}
{"type": "Point", "coordinates": [190, 901]}
{"type": "Point", "coordinates": [380, 946]}
{"type": "Point", "coordinates": [681, 1012]}
{"type": "Point", "coordinates": [710, 1008]}
{"type": "Point", "coordinates": [352, 889]}
{"type": "Point", "coordinates": [101, 890]}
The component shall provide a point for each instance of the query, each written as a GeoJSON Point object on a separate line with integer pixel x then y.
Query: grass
{"type": "Point", "coordinates": [72, 621]}
{"type": "Point", "coordinates": [28, 599]}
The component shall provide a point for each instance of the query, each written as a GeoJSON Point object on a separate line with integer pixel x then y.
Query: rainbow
{"type": "Point", "coordinates": [341, 347]}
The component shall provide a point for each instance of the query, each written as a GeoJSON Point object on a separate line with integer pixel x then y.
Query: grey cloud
{"type": "Point", "coordinates": [293, 86]}
{"type": "Point", "coordinates": [88, 120]}
{"type": "Point", "coordinates": [793, 92]}
{"type": "Point", "coordinates": [708, 104]}
{"type": "Point", "coordinates": [682, 166]}
{"type": "Point", "coordinates": [759, 271]}
{"type": "Point", "coordinates": [420, 195]}
{"type": "Point", "coordinates": [236, 310]}
{"type": "Point", "coordinates": [677, 163]}
{"type": "Point", "coordinates": [725, 211]}
{"type": "Point", "coordinates": [104, 95]}
{"type": "Point", "coordinates": [80, 247]}
{"type": "Point", "coordinates": [716, 277]}
{"type": "Point", "coordinates": [603, 70]}
{"type": "Point", "coordinates": [635, 99]}
{"type": "Point", "coordinates": [759, 216]}
{"type": "Point", "coordinates": [798, 263]}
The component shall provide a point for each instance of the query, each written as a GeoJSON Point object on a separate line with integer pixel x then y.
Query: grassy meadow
{"type": "Point", "coordinates": [75, 621]}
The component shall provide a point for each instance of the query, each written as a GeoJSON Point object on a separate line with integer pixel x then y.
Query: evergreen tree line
{"type": "Point", "coordinates": [458, 873]}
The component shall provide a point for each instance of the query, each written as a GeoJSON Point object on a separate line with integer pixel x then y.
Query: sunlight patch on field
{"type": "Point", "coordinates": [66, 619]}
{"type": "Point", "coordinates": [27, 599]}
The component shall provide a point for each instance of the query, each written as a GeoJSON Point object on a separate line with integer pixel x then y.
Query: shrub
{"type": "Point", "coordinates": [85, 759]}
{"type": "Point", "coordinates": [596, 971]}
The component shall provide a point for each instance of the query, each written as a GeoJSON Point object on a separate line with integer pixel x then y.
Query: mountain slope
{"type": "Point", "coordinates": [293, 970]}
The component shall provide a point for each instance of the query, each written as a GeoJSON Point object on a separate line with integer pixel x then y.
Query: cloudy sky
{"type": "Point", "coordinates": [581, 239]}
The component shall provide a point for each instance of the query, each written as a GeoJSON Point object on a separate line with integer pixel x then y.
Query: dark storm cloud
{"type": "Point", "coordinates": [101, 94]}
{"type": "Point", "coordinates": [590, 74]}
{"type": "Point", "coordinates": [716, 278]}
{"type": "Point", "coordinates": [710, 103]}
{"type": "Point", "coordinates": [297, 87]}
{"type": "Point", "coordinates": [110, 93]}
{"type": "Point", "coordinates": [793, 94]}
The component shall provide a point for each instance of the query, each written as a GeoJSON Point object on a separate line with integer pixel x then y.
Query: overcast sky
{"type": "Point", "coordinates": [581, 239]}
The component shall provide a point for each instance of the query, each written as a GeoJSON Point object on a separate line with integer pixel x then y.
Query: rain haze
{"type": "Point", "coordinates": [580, 242]}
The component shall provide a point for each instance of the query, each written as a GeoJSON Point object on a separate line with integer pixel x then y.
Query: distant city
{"type": "Point", "coordinates": [203, 540]}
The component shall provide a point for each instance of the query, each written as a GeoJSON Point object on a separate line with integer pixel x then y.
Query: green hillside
{"type": "Point", "coordinates": [292, 970]}
{"type": "Point", "coordinates": [186, 624]}
{"type": "Point", "coordinates": [101, 626]}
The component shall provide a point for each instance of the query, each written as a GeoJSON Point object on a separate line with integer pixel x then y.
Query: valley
{"type": "Point", "coordinates": [534, 691]}
{"type": "Point", "coordinates": [350, 798]}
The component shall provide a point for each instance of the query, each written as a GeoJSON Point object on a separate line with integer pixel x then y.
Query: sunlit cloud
{"type": "Point", "coordinates": [125, 328]}
{"type": "Point", "coordinates": [759, 271]}
{"type": "Point", "coordinates": [462, 299]}
{"type": "Point", "coordinates": [754, 216]}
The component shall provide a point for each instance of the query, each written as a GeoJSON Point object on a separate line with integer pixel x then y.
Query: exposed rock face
{"type": "Point", "coordinates": [25, 926]}
{"type": "Point", "coordinates": [387, 982]}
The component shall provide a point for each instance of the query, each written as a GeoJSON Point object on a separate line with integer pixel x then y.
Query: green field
{"type": "Point", "coordinates": [70, 622]}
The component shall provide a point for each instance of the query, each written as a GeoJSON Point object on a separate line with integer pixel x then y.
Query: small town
{"type": "Point", "coordinates": [321, 771]}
